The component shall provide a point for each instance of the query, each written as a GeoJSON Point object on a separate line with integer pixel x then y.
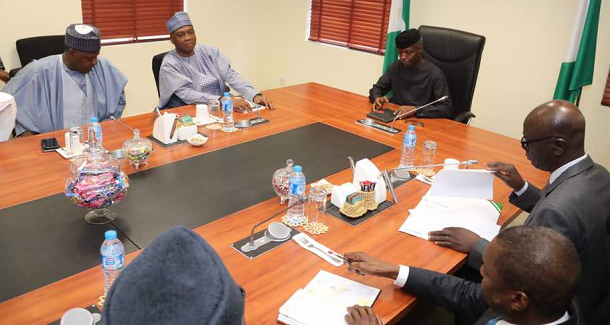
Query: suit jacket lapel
{"type": "Point", "coordinates": [570, 172]}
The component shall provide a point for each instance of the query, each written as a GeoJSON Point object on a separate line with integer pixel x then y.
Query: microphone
{"type": "Point", "coordinates": [300, 200]}
{"type": "Point", "coordinates": [417, 109]}
{"type": "Point", "coordinates": [466, 162]}
{"type": "Point", "coordinates": [121, 123]}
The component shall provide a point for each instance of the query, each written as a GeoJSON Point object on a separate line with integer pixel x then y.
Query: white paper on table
{"type": "Point", "coordinates": [467, 183]}
{"type": "Point", "coordinates": [325, 300]}
{"type": "Point", "coordinates": [434, 213]}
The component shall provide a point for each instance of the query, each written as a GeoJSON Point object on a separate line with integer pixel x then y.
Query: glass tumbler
{"type": "Point", "coordinates": [428, 152]}
{"type": "Point", "coordinates": [316, 206]}
{"type": "Point", "coordinates": [214, 109]}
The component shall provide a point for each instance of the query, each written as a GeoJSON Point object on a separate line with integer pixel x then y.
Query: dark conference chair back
{"type": "Point", "coordinates": [458, 55]}
{"type": "Point", "coordinates": [156, 68]}
{"type": "Point", "coordinates": [36, 48]}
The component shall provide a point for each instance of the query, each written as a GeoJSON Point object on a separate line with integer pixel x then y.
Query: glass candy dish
{"type": "Point", "coordinates": [281, 181]}
{"type": "Point", "coordinates": [96, 182]}
{"type": "Point", "coordinates": [137, 150]}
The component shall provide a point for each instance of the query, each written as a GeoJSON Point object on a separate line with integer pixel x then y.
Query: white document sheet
{"type": "Point", "coordinates": [465, 183]}
{"type": "Point", "coordinates": [325, 300]}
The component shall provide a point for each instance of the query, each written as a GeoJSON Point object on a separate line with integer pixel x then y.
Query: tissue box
{"type": "Point", "coordinates": [186, 132]}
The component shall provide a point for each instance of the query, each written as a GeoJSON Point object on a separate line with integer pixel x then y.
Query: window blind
{"type": "Point", "coordinates": [130, 20]}
{"type": "Point", "coordinates": [356, 24]}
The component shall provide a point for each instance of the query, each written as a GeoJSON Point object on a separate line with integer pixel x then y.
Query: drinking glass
{"type": "Point", "coordinates": [428, 153]}
{"type": "Point", "coordinates": [316, 206]}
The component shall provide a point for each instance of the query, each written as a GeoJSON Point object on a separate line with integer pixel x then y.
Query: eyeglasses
{"type": "Point", "coordinates": [525, 143]}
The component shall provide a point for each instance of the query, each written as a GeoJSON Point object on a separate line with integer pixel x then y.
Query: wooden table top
{"type": "Point", "coordinates": [28, 174]}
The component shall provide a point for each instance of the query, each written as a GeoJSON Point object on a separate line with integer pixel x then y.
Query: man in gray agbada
{"type": "Point", "coordinates": [66, 90]}
{"type": "Point", "coordinates": [194, 73]}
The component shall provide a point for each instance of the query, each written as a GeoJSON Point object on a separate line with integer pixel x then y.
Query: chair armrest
{"type": "Point", "coordinates": [464, 117]}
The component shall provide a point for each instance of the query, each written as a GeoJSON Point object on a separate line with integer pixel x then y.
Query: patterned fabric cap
{"type": "Point", "coordinates": [179, 19]}
{"type": "Point", "coordinates": [84, 38]}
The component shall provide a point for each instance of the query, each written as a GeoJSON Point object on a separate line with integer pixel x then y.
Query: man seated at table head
{"type": "Point", "coordinates": [66, 90]}
{"type": "Point", "coordinates": [575, 201]}
{"type": "Point", "coordinates": [195, 73]}
{"type": "Point", "coordinates": [413, 80]}
{"type": "Point", "coordinates": [530, 276]}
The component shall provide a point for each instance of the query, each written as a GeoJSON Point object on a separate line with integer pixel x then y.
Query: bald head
{"type": "Point", "coordinates": [562, 125]}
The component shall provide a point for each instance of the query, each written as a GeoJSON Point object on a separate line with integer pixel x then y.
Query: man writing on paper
{"type": "Point", "coordinates": [530, 276]}
{"type": "Point", "coordinates": [575, 201]}
{"type": "Point", "coordinates": [413, 80]}
{"type": "Point", "coordinates": [194, 73]}
{"type": "Point", "coordinates": [66, 90]}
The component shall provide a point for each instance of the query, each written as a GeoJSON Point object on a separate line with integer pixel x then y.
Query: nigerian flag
{"type": "Point", "coordinates": [399, 21]}
{"type": "Point", "coordinates": [577, 68]}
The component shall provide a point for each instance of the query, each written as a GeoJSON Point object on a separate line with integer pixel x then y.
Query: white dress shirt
{"type": "Point", "coordinates": [555, 174]}
{"type": "Point", "coordinates": [403, 275]}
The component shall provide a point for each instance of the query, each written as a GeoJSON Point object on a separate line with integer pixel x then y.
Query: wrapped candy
{"type": "Point", "coordinates": [137, 150]}
{"type": "Point", "coordinates": [96, 182]}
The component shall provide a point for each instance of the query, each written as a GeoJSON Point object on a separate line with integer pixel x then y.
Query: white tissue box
{"type": "Point", "coordinates": [186, 132]}
{"type": "Point", "coordinates": [367, 171]}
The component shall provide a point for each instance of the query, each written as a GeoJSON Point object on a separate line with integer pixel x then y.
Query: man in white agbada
{"type": "Point", "coordinates": [194, 73]}
{"type": "Point", "coordinates": [66, 90]}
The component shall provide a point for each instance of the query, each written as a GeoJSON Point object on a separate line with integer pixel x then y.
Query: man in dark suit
{"type": "Point", "coordinates": [530, 276]}
{"type": "Point", "coordinates": [575, 201]}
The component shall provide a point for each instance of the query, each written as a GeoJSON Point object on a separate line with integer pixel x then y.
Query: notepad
{"type": "Point", "coordinates": [325, 300]}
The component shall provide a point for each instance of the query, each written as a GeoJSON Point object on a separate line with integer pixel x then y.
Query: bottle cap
{"type": "Point", "coordinates": [94, 119]}
{"type": "Point", "coordinates": [227, 94]}
{"type": "Point", "coordinates": [110, 234]}
{"type": "Point", "coordinates": [298, 169]}
{"type": "Point", "coordinates": [411, 127]}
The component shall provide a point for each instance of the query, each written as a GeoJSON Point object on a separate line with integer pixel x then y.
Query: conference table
{"type": "Point", "coordinates": [313, 123]}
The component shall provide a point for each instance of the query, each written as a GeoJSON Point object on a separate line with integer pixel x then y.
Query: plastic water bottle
{"type": "Point", "coordinates": [228, 124]}
{"type": "Point", "coordinates": [296, 192]}
{"type": "Point", "coordinates": [113, 258]}
{"type": "Point", "coordinates": [407, 158]}
{"type": "Point", "coordinates": [94, 131]}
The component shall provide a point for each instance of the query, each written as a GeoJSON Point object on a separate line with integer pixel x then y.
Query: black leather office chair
{"type": "Point", "coordinates": [156, 68]}
{"type": "Point", "coordinates": [36, 48]}
{"type": "Point", "coordinates": [458, 55]}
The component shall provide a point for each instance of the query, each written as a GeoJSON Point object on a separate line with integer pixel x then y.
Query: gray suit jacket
{"type": "Point", "coordinates": [577, 204]}
{"type": "Point", "coordinates": [462, 296]}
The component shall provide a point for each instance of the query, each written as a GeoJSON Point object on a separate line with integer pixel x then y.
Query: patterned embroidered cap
{"type": "Point", "coordinates": [84, 38]}
{"type": "Point", "coordinates": [179, 19]}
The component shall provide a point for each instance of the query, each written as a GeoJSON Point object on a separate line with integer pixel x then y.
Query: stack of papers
{"type": "Point", "coordinates": [458, 198]}
{"type": "Point", "coordinates": [325, 300]}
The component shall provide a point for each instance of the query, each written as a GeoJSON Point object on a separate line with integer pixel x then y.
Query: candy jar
{"type": "Point", "coordinates": [281, 181]}
{"type": "Point", "coordinates": [96, 182]}
{"type": "Point", "coordinates": [137, 150]}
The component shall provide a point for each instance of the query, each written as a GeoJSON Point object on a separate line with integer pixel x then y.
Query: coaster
{"type": "Point", "coordinates": [334, 211]}
{"type": "Point", "coordinates": [290, 223]}
{"type": "Point", "coordinates": [316, 228]}
{"type": "Point", "coordinates": [263, 249]}
{"type": "Point", "coordinates": [169, 145]}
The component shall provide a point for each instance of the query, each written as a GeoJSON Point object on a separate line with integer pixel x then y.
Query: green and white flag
{"type": "Point", "coordinates": [577, 68]}
{"type": "Point", "coordinates": [399, 21]}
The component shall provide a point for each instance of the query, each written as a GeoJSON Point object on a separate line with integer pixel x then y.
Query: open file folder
{"type": "Point", "coordinates": [325, 300]}
{"type": "Point", "coordinates": [457, 198]}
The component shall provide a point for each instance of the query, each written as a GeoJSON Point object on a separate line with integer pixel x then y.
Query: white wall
{"type": "Point", "coordinates": [240, 40]}
{"type": "Point", "coordinates": [525, 45]}
{"type": "Point", "coordinates": [265, 40]}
